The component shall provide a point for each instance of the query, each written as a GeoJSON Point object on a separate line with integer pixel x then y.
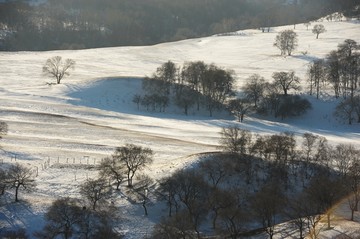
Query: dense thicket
{"type": "Point", "coordinates": [93, 23]}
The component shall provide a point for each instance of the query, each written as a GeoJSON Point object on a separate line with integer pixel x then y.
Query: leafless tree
{"type": "Point", "coordinates": [95, 191]}
{"type": "Point", "coordinates": [333, 71]}
{"type": "Point", "coordinates": [113, 169]}
{"type": "Point", "coordinates": [3, 181]}
{"type": "Point", "coordinates": [267, 204]}
{"type": "Point", "coordinates": [134, 158]}
{"type": "Point", "coordinates": [232, 213]}
{"type": "Point", "coordinates": [317, 76]}
{"type": "Point", "coordinates": [142, 189]}
{"type": "Point", "coordinates": [3, 129]}
{"type": "Point", "coordinates": [318, 29]}
{"type": "Point", "coordinates": [57, 68]}
{"type": "Point", "coordinates": [286, 81]}
{"type": "Point", "coordinates": [66, 219]}
{"type": "Point", "coordinates": [286, 41]}
{"type": "Point", "coordinates": [297, 212]}
{"type": "Point", "coordinates": [235, 140]}
{"type": "Point", "coordinates": [345, 110]}
{"type": "Point", "coordinates": [214, 170]}
{"type": "Point", "coordinates": [324, 191]}
{"type": "Point", "coordinates": [254, 88]}
{"type": "Point", "coordinates": [62, 218]}
{"type": "Point", "coordinates": [239, 107]}
{"type": "Point", "coordinates": [19, 176]}
{"type": "Point", "coordinates": [344, 156]}
{"type": "Point", "coordinates": [192, 192]}
{"type": "Point", "coordinates": [167, 190]}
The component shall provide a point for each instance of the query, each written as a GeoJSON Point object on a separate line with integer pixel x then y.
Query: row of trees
{"type": "Point", "coordinates": [266, 180]}
{"type": "Point", "coordinates": [341, 70]}
{"type": "Point", "coordinates": [87, 24]}
{"type": "Point", "coordinates": [200, 85]}
{"type": "Point", "coordinates": [266, 97]}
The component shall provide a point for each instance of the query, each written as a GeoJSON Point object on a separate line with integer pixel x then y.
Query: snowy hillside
{"type": "Point", "coordinates": [91, 112]}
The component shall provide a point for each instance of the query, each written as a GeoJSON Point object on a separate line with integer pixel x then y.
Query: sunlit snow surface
{"type": "Point", "coordinates": [82, 120]}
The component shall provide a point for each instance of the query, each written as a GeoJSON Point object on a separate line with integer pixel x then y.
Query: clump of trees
{"type": "Point", "coordinates": [263, 179]}
{"type": "Point", "coordinates": [66, 218]}
{"type": "Point", "coordinates": [340, 71]}
{"type": "Point", "coordinates": [195, 84]}
{"type": "Point", "coordinates": [273, 97]}
{"type": "Point", "coordinates": [199, 85]}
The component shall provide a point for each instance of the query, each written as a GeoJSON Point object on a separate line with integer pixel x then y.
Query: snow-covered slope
{"type": "Point", "coordinates": [90, 113]}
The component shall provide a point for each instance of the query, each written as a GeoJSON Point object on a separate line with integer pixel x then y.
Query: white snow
{"type": "Point", "coordinates": [83, 119]}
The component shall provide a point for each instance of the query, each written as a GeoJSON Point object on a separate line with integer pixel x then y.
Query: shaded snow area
{"type": "Point", "coordinates": [63, 131]}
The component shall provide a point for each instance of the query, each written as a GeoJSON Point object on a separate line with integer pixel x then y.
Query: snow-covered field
{"type": "Point", "coordinates": [82, 120]}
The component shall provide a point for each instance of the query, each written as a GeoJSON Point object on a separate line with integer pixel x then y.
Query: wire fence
{"type": "Point", "coordinates": [48, 162]}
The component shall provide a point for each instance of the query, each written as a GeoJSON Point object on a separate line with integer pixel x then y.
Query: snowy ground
{"type": "Point", "coordinates": [82, 120]}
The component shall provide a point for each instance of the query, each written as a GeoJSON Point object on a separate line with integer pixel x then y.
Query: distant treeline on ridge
{"type": "Point", "coordinates": [78, 24]}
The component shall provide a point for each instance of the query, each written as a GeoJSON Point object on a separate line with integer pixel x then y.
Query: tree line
{"type": "Point", "coordinates": [76, 24]}
{"type": "Point", "coordinates": [260, 179]}
{"type": "Point", "coordinates": [206, 86]}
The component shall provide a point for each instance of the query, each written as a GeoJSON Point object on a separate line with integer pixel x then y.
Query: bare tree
{"type": "Point", "coordinates": [3, 181]}
{"type": "Point", "coordinates": [286, 81]}
{"type": "Point", "coordinates": [167, 191]}
{"type": "Point", "coordinates": [307, 24]}
{"type": "Point", "coordinates": [57, 68]}
{"type": "Point", "coordinates": [185, 97]}
{"type": "Point", "coordinates": [324, 191]}
{"type": "Point", "coordinates": [193, 74]}
{"type": "Point", "coordinates": [344, 156]}
{"type": "Point", "coordinates": [95, 190]}
{"type": "Point", "coordinates": [297, 212]}
{"type": "Point", "coordinates": [317, 76]}
{"type": "Point", "coordinates": [134, 158]}
{"type": "Point", "coordinates": [3, 129]}
{"type": "Point", "coordinates": [267, 204]}
{"type": "Point", "coordinates": [345, 110]}
{"type": "Point", "coordinates": [19, 176]}
{"type": "Point", "coordinates": [137, 100]}
{"type": "Point", "coordinates": [356, 105]}
{"type": "Point", "coordinates": [286, 41]}
{"type": "Point", "coordinates": [239, 107]}
{"type": "Point", "coordinates": [141, 190]}
{"type": "Point", "coordinates": [333, 65]}
{"type": "Point", "coordinates": [318, 29]}
{"type": "Point", "coordinates": [254, 88]}
{"type": "Point", "coordinates": [217, 85]}
{"type": "Point", "coordinates": [214, 170]}
{"type": "Point", "coordinates": [113, 169]}
{"type": "Point", "coordinates": [192, 192]}
{"type": "Point", "coordinates": [62, 218]}
{"type": "Point", "coordinates": [66, 219]}
{"type": "Point", "coordinates": [235, 140]}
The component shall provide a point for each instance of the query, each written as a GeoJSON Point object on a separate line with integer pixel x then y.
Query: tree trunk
{"type": "Point", "coordinates": [144, 206]}
{"type": "Point", "coordinates": [17, 192]}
